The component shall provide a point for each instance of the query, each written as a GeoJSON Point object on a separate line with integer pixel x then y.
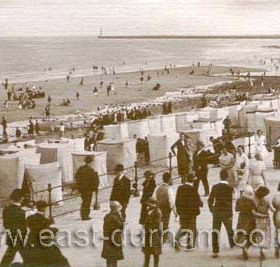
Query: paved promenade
{"type": "Point", "coordinates": [90, 256]}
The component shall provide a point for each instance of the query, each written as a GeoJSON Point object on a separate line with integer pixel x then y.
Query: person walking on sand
{"type": "Point", "coordinates": [4, 127]}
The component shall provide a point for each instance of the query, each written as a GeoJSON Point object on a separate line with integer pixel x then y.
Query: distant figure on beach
{"type": "Point", "coordinates": [191, 72]}
{"type": "Point", "coordinates": [77, 95]}
{"type": "Point", "coordinates": [49, 99]}
{"type": "Point", "coordinates": [61, 130]}
{"type": "Point", "coordinates": [108, 90]}
{"type": "Point", "coordinates": [37, 129]}
{"type": "Point", "coordinates": [126, 83]}
{"type": "Point", "coordinates": [6, 84]}
{"type": "Point", "coordinates": [198, 64]}
{"type": "Point", "coordinates": [4, 126]}
{"type": "Point", "coordinates": [141, 79]}
{"type": "Point", "coordinates": [101, 84]}
{"type": "Point", "coordinates": [227, 123]}
{"type": "Point", "coordinates": [48, 111]}
{"type": "Point", "coordinates": [18, 133]}
{"type": "Point", "coordinates": [95, 91]}
{"type": "Point", "coordinates": [81, 82]}
{"type": "Point", "coordinates": [68, 78]}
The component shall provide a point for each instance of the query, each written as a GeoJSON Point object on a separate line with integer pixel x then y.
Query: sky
{"type": "Point", "coordinates": [138, 17]}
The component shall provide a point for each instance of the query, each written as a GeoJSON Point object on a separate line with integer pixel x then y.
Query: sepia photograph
{"type": "Point", "coordinates": [139, 133]}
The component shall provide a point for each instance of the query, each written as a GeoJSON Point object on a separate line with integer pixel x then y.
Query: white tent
{"type": "Point", "coordinates": [213, 113]}
{"type": "Point", "coordinates": [98, 164]}
{"type": "Point", "coordinates": [200, 135]}
{"type": "Point", "coordinates": [168, 124]}
{"type": "Point", "coordinates": [12, 170]}
{"type": "Point", "coordinates": [61, 152]}
{"type": "Point", "coordinates": [118, 152]}
{"type": "Point", "coordinates": [159, 146]}
{"type": "Point", "coordinates": [116, 131]}
{"type": "Point", "coordinates": [154, 124]}
{"type": "Point", "coordinates": [202, 124]}
{"type": "Point", "coordinates": [9, 175]}
{"type": "Point", "coordinates": [272, 129]}
{"type": "Point", "coordinates": [39, 176]}
{"type": "Point", "coordinates": [140, 128]}
{"type": "Point", "coordinates": [256, 119]}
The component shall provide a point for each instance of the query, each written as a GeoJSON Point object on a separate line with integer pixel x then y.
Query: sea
{"type": "Point", "coordinates": [29, 58]}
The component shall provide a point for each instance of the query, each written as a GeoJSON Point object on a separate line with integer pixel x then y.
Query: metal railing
{"type": "Point", "coordinates": [136, 187]}
{"type": "Point", "coordinates": [135, 192]}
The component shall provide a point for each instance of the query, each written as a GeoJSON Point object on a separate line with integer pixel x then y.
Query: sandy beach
{"type": "Point", "coordinates": [136, 91]}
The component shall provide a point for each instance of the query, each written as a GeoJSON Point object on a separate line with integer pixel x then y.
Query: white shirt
{"type": "Point", "coordinates": [171, 195]}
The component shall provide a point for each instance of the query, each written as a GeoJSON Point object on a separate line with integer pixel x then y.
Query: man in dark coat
{"type": "Point", "coordinates": [188, 204]}
{"type": "Point", "coordinates": [42, 249]}
{"type": "Point", "coordinates": [149, 186]}
{"type": "Point", "coordinates": [183, 157]}
{"type": "Point", "coordinates": [112, 231]}
{"type": "Point", "coordinates": [87, 182]}
{"type": "Point", "coordinates": [121, 189]}
{"type": "Point", "coordinates": [15, 224]}
{"type": "Point", "coordinates": [200, 166]}
{"type": "Point", "coordinates": [220, 205]}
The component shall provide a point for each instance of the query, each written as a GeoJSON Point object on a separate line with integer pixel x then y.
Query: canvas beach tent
{"type": "Point", "coordinates": [118, 152]}
{"type": "Point", "coordinates": [12, 168]}
{"type": "Point", "coordinates": [160, 147]}
{"type": "Point", "coordinates": [99, 164]}
{"type": "Point", "coordinates": [139, 128]}
{"type": "Point", "coordinates": [154, 124]}
{"type": "Point", "coordinates": [37, 178]}
{"type": "Point", "coordinates": [168, 124]}
{"type": "Point", "coordinates": [116, 131]}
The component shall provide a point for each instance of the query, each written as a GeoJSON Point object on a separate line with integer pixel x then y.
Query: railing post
{"type": "Point", "coordinates": [170, 163]}
{"type": "Point", "coordinates": [50, 200]}
{"type": "Point", "coordinates": [136, 192]}
{"type": "Point", "coordinates": [249, 145]}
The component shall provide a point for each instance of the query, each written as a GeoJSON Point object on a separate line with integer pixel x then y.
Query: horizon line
{"type": "Point", "coordinates": [261, 36]}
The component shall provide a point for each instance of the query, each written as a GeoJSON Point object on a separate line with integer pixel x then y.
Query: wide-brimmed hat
{"type": "Point", "coordinates": [152, 202]}
{"type": "Point", "coordinates": [88, 159]}
{"type": "Point", "coordinates": [261, 191]}
{"type": "Point", "coordinates": [248, 191]}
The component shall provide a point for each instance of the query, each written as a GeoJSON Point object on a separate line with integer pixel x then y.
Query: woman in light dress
{"type": "Point", "coordinates": [276, 219]}
{"type": "Point", "coordinates": [227, 162]}
{"type": "Point", "coordinates": [260, 144]}
{"type": "Point", "coordinates": [242, 168]}
{"type": "Point", "coordinates": [256, 172]}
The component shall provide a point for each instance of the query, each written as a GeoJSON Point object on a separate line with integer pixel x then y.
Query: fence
{"type": "Point", "coordinates": [135, 170]}
{"type": "Point", "coordinates": [103, 193]}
